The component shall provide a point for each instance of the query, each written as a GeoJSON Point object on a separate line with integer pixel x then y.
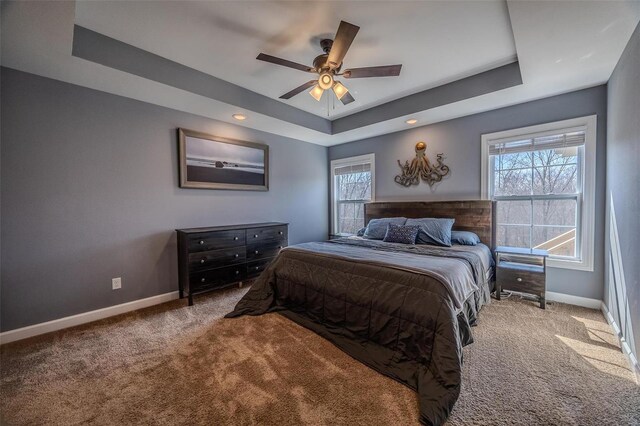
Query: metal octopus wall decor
{"type": "Point", "coordinates": [421, 167]}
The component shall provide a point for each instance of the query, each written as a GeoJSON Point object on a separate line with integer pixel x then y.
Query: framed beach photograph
{"type": "Point", "coordinates": [213, 162]}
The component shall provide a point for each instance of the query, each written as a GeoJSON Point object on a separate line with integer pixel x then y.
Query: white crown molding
{"type": "Point", "coordinates": [83, 318]}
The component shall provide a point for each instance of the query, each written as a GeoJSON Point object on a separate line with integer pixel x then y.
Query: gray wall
{"type": "Point", "coordinates": [622, 283]}
{"type": "Point", "coordinates": [89, 190]}
{"type": "Point", "coordinates": [459, 140]}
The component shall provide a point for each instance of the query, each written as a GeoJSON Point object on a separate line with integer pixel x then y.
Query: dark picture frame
{"type": "Point", "coordinates": [213, 162]}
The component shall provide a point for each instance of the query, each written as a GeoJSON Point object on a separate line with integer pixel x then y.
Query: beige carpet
{"type": "Point", "coordinates": [180, 365]}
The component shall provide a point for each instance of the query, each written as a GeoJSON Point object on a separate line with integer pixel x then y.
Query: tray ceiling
{"type": "Point", "coordinates": [560, 47]}
{"type": "Point", "coordinates": [437, 42]}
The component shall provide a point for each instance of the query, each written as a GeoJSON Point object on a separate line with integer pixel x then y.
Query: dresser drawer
{"type": "Point", "coordinates": [261, 235]}
{"type": "Point", "coordinates": [255, 268]}
{"type": "Point", "coordinates": [217, 277]}
{"type": "Point", "coordinates": [265, 250]}
{"type": "Point", "coordinates": [216, 240]}
{"type": "Point", "coordinates": [522, 281]}
{"type": "Point", "coordinates": [217, 258]}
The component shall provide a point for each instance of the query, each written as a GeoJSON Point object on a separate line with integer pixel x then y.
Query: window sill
{"type": "Point", "coordinates": [576, 265]}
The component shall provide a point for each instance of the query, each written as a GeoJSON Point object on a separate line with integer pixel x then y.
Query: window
{"type": "Point", "coordinates": [352, 185]}
{"type": "Point", "coordinates": [543, 180]}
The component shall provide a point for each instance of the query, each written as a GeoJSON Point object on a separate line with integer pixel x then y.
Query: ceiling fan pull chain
{"type": "Point", "coordinates": [328, 107]}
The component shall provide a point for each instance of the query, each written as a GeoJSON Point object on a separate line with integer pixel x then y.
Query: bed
{"type": "Point", "coordinates": [404, 310]}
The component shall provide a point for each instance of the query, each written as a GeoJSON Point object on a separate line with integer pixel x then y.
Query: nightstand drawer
{"type": "Point", "coordinates": [521, 280]}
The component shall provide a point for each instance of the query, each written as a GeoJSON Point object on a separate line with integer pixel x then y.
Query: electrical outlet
{"type": "Point", "coordinates": [116, 283]}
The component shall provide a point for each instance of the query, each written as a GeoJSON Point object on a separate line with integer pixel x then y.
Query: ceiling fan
{"type": "Point", "coordinates": [328, 67]}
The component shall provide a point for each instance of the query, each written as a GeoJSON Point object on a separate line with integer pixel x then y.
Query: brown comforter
{"type": "Point", "coordinates": [404, 311]}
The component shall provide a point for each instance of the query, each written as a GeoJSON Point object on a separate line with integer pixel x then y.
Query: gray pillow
{"type": "Point", "coordinates": [465, 238]}
{"type": "Point", "coordinates": [433, 231]}
{"type": "Point", "coordinates": [377, 228]}
{"type": "Point", "coordinates": [404, 234]}
{"type": "Point", "coordinates": [360, 232]}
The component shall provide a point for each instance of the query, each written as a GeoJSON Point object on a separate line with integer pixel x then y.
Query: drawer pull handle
{"type": "Point", "coordinates": [235, 238]}
{"type": "Point", "coordinates": [280, 247]}
{"type": "Point", "coordinates": [519, 279]}
{"type": "Point", "coordinates": [201, 242]}
{"type": "Point", "coordinates": [257, 267]}
{"type": "Point", "coordinates": [237, 255]}
{"type": "Point", "coordinates": [280, 232]}
{"type": "Point", "coordinates": [202, 260]}
{"type": "Point", "coordinates": [257, 252]}
{"type": "Point", "coordinates": [255, 235]}
{"type": "Point", "coordinates": [237, 272]}
{"type": "Point", "coordinates": [202, 280]}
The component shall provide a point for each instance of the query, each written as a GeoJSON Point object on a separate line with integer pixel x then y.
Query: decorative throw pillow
{"type": "Point", "coordinates": [377, 228]}
{"type": "Point", "coordinates": [433, 231]}
{"type": "Point", "coordinates": [465, 238]}
{"type": "Point", "coordinates": [360, 232]}
{"type": "Point", "coordinates": [404, 234]}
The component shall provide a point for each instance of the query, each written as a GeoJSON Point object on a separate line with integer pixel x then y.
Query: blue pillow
{"type": "Point", "coordinates": [433, 231]}
{"type": "Point", "coordinates": [377, 228]}
{"type": "Point", "coordinates": [465, 238]}
{"type": "Point", "coordinates": [360, 232]}
{"type": "Point", "coordinates": [404, 234]}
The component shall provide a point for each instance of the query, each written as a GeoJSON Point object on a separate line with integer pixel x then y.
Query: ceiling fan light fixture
{"type": "Point", "coordinates": [325, 81]}
{"type": "Point", "coordinates": [340, 90]}
{"type": "Point", "coordinates": [328, 65]}
{"type": "Point", "coordinates": [316, 92]}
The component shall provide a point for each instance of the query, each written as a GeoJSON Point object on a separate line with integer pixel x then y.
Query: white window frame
{"type": "Point", "coordinates": [350, 161]}
{"type": "Point", "coordinates": [586, 222]}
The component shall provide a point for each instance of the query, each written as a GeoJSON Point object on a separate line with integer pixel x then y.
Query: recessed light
{"type": "Point", "coordinates": [239, 117]}
{"type": "Point", "coordinates": [411, 121]}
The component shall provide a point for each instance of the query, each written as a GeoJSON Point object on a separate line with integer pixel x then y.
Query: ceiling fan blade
{"type": "Point", "coordinates": [344, 37]}
{"type": "Point", "coordinates": [299, 89]}
{"type": "Point", "coordinates": [382, 71]}
{"type": "Point", "coordinates": [284, 62]}
{"type": "Point", "coordinates": [347, 99]}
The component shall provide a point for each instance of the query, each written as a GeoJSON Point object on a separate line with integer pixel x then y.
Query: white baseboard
{"type": "Point", "coordinates": [626, 349]}
{"type": "Point", "coordinates": [83, 318]}
{"type": "Point", "coordinates": [573, 300]}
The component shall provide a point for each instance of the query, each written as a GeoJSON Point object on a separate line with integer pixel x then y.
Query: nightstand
{"type": "Point", "coordinates": [522, 270]}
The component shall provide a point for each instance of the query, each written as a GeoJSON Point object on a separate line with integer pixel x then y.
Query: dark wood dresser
{"type": "Point", "coordinates": [217, 257]}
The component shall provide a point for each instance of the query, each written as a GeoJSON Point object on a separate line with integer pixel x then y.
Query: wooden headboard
{"type": "Point", "coordinates": [474, 215]}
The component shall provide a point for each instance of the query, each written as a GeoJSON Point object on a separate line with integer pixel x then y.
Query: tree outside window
{"type": "Point", "coordinates": [353, 186]}
{"type": "Point", "coordinates": [538, 193]}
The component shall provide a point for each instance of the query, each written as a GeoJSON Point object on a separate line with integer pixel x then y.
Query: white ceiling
{"type": "Point", "coordinates": [561, 46]}
{"type": "Point", "coordinates": [435, 41]}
